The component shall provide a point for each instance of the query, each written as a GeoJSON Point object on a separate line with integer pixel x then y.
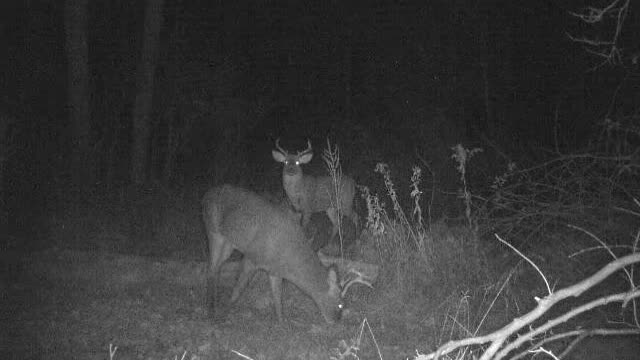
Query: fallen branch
{"type": "Point", "coordinates": [498, 338]}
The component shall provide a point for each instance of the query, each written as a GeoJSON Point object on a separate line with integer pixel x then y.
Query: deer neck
{"type": "Point", "coordinates": [294, 187]}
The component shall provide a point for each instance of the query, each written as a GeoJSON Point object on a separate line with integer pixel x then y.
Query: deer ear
{"type": "Point", "coordinates": [303, 159]}
{"type": "Point", "coordinates": [278, 156]}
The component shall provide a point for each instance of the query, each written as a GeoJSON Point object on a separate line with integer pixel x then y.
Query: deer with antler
{"type": "Point", "coordinates": [309, 194]}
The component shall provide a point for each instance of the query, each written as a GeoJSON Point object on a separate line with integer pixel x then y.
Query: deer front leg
{"type": "Point", "coordinates": [306, 216]}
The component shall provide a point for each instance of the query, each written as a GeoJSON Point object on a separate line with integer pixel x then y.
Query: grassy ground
{"type": "Point", "coordinates": [127, 269]}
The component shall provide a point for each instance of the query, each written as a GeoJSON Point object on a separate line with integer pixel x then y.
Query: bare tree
{"type": "Point", "coordinates": [144, 91]}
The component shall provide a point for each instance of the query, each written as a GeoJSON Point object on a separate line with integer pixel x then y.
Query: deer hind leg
{"type": "Point", "coordinates": [332, 213]}
{"type": "Point", "coordinates": [353, 216]}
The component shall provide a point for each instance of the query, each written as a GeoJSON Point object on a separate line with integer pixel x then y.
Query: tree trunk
{"type": "Point", "coordinates": [347, 74]}
{"type": "Point", "coordinates": [78, 88]}
{"type": "Point", "coordinates": [173, 138]}
{"type": "Point", "coordinates": [144, 92]}
{"type": "Point", "coordinates": [7, 150]}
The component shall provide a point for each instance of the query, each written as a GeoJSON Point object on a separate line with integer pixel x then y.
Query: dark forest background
{"type": "Point", "coordinates": [107, 96]}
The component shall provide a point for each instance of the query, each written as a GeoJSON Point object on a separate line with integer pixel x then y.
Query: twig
{"type": "Point", "coordinates": [528, 260]}
{"type": "Point", "coordinates": [604, 245]}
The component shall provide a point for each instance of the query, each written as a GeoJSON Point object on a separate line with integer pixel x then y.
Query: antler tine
{"type": "Point", "coordinates": [359, 278]}
{"type": "Point", "coordinates": [307, 150]}
{"type": "Point", "coordinates": [283, 151]}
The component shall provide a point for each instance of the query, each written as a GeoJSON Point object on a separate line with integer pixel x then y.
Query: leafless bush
{"type": "Point", "coordinates": [582, 188]}
{"type": "Point", "coordinates": [607, 21]}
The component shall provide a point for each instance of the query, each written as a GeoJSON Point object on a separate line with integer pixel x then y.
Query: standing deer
{"type": "Point", "coordinates": [309, 194]}
{"type": "Point", "coordinates": [271, 239]}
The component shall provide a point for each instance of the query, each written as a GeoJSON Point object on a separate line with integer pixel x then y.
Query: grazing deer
{"type": "Point", "coordinates": [309, 194]}
{"type": "Point", "coordinates": [271, 240]}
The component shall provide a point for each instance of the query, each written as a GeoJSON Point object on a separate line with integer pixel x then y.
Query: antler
{"type": "Point", "coordinates": [358, 277]}
{"type": "Point", "coordinates": [307, 150]}
{"type": "Point", "coordinates": [283, 151]}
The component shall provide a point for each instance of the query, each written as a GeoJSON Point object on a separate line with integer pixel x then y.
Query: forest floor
{"type": "Point", "coordinates": [75, 304]}
{"type": "Point", "coordinates": [147, 298]}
